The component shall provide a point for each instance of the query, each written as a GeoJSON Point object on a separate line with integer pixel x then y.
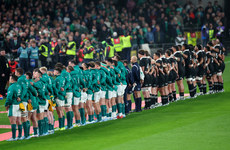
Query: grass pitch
{"type": "Point", "coordinates": [201, 123]}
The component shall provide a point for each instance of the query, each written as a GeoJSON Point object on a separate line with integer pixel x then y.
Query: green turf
{"type": "Point", "coordinates": [4, 119]}
{"type": "Point", "coordinates": [4, 130]}
{"type": "Point", "coordinates": [201, 123]}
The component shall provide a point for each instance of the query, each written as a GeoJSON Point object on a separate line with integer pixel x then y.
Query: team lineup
{"type": "Point", "coordinates": [104, 89]}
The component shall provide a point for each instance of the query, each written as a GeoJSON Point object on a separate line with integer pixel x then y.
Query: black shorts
{"type": "Point", "coordinates": [180, 74]}
{"type": "Point", "coordinates": [216, 68]}
{"type": "Point", "coordinates": [200, 71]}
{"type": "Point", "coordinates": [128, 89]}
{"type": "Point", "coordinates": [154, 81]}
{"type": "Point", "coordinates": [194, 72]}
{"type": "Point", "coordinates": [160, 80]}
{"type": "Point", "coordinates": [166, 80]}
{"type": "Point", "coordinates": [147, 81]}
{"type": "Point", "coordinates": [137, 87]}
{"type": "Point", "coordinates": [188, 72]}
{"type": "Point", "coordinates": [174, 76]}
{"type": "Point", "coordinates": [222, 67]}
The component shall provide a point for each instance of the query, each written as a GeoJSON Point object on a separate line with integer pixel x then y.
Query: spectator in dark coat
{"type": "Point", "coordinates": [14, 45]}
{"type": "Point", "coordinates": [4, 72]}
{"type": "Point", "coordinates": [158, 35]}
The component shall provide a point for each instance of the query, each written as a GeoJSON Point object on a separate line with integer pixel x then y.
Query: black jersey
{"type": "Point", "coordinates": [146, 63]}
{"type": "Point", "coordinates": [200, 55]}
{"type": "Point", "coordinates": [188, 59]}
{"type": "Point", "coordinates": [180, 62]}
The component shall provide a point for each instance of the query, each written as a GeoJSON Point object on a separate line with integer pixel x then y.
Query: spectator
{"type": "Point", "coordinates": [149, 36]}
{"type": "Point", "coordinates": [220, 31]}
{"type": "Point", "coordinates": [158, 35]}
{"type": "Point", "coordinates": [204, 34]}
{"type": "Point", "coordinates": [4, 72]}
{"type": "Point", "coordinates": [33, 55]}
{"type": "Point", "coordinates": [14, 46]}
{"type": "Point", "coordinates": [23, 53]}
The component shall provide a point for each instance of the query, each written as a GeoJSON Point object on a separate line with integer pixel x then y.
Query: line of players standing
{"type": "Point", "coordinates": [195, 63]}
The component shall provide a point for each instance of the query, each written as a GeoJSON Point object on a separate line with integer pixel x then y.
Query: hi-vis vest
{"type": "Point", "coordinates": [117, 44]}
{"type": "Point", "coordinates": [46, 50]}
{"type": "Point", "coordinates": [73, 50]}
{"type": "Point", "coordinates": [53, 45]}
{"type": "Point", "coordinates": [89, 55]}
{"type": "Point", "coordinates": [111, 51]}
{"type": "Point", "coordinates": [126, 41]}
{"type": "Point", "coordinates": [192, 39]}
{"type": "Point", "coordinates": [211, 34]}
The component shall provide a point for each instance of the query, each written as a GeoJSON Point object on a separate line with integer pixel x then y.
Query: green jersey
{"type": "Point", "coordinates": [95, 79]}
{"type": "Point", "coordinates": [124, 72]}
{"type": "Point", "coordinates": [41, 88]}
{"type": "Point", "coordinates": [102, 79]}
{"type": "Point", "coordinates": [118, 75]}
{"type": "Point", "coordinates": [33, 95]}
{"type": "Point", "coordinates": [25, 85]}
{"type": "Point", "coordinates": [78, 70]}
{"type": "Point", "coordinates": [48, 82]}
{"type": "Point", "coordinates": [78, 83]}
{"type": "Point", "coordinates": [113, 77]}
{"type": "Point", "coordinates": [68, 83]}
{"type": "Point", "coordinates": [59, 83]}
{"type": "Point", "coordinates": [109, 82]}
{"type": "Point", "coordinates": [14, 91]}
{"type": "Point", "coordinates": [87, 76]}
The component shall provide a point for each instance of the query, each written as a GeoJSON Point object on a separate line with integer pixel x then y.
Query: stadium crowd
{"type": "Point", "coordinates": [68, 36]}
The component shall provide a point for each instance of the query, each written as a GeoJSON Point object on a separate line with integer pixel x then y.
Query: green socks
{"type": "Point", "coordinates": [99, 117]}
{"type": "Point", "coordinates": [40, 125]}
{"type": "Point", "coordinates": [19, 131]}
{"type": "Point", "coordinates": [119, 105]}
{"type": "Point", "coordinates": [63, 121]}
{"type": "Point", "coordinates": [103, 110]}
{"type": "Point", "coordinates": [60, 122]}
{"type": "Point", "coordinates": [114, 108]}
{"type": "Point", "coordinates": [28, 125]}
{"type": "Point", "coordinates": [69, 116]}
{"type": "Point", "coordinates": [82, 113]}
{"type": "Point", "coordinates": [78, 121]}
{"type": "Point", "coordinates": [13, 128]}
{"type": "Point", "coordinates": [123, 108]}
{"type": "Point", "coordinates": [24, 124]}
{"type": "Point", "coordinates": [35, 131]}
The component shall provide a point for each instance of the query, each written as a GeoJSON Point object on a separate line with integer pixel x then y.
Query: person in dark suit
{"type": "Point", "coordinates": [4, 72]}
{"type": "Point", "coordinates": [14, 45]}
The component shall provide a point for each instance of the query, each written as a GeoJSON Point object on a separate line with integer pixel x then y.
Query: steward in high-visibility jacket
{"type": "Point", "coordinates": [43, 50]}
{"type": "Point", "coordinates": [109, 49]}
{"type": "Point", "coordinates": [211, 34]}
{"type": "Point", "coordinates": [53, 44]}
{"type": "Point", "coordinates": [126, 45]}
{"type": "Point", "coordinates": [88, 52]}
{"type": "Point", "coordinates": [117, 44]}
{"type": "Point", "coordinates": [192, 38]}
{"type": "Point", "coordinates": [71, 48]}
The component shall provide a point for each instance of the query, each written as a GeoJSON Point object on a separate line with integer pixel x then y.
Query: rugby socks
{"type": "Point", "coordinates": [82, 113]}
{"type": "Point", "coordinates": [170, 97]}
{"type": "Point", "coordinates": [147, 103]}
{"type": "Point", "coordinates": [114, 110]}
{"type": "Point", "coordinates": [103, 110]}
{"type": "Point", "coordinates": [28, 125]}
{"type": "Point", "coordinates": [200, 87]}
{"type": "Point", "coordinates": [63, 121]}
{"type": "Point", "coordinates": [174, 95]}
{"type": "Point", "coordinates": [221, 86]}
{"type": "Point", "coordinates": [68, 116]}
{"type": "Point", "coordinates": [138, 104]}
{"type": "Point", "coordinates": [40, 126]}
{"type": "Point", "coordinates": [19, 131]}
{"type": "Point", "coordinates": [182, 95]}
{"type": "Point", "coordinates": [191, 89]}
{"type": "Point", "coordinates": [77, 121]}
{"type": "Point", "coordinates": [99, 117]}
{"type": "Point", "coordinates": [204, 89]}
{"type": "Point", "coordinates": [129, 105]}
{"type": "Point", "coordinates": [35, 130]}
{"type": "Point", "coordinates": [13, 128]}
{"type": "Point", "coordinates": [60, 122]}
{"type": "Point", "coordinates": [46, 124]}
{"type": "Point", "coordinates": [119, 106]}
{"type": "Point", "coordinates": [123, 108]}
{"type": "Point", "coordinates": [25, 128]}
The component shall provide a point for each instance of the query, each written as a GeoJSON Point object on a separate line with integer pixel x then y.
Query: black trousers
{"type": "Point", "coordinates": [44, 61]}
{"type": "Point", "coordinates": [3, 82]}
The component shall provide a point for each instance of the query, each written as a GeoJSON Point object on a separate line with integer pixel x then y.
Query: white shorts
{"type": "Point", "coordinates": [96, 96]}
{"type": "Point", "coordinates": [14, 111]}
{"type": "Point", "coordinates": [123, 89]}
{"type": "Point", "coordinates": [60, 103]}
{"type": "Point", "coordinates": [114, 94]}
{"type": "Point", "coordinates": [89, 97]}
{"type": "Point", "coordinates": [69, 97]}
{"type": "Point", "coordinates": [46, 106]}
{"type": "Point", "coordinates": [103, 93]}
{"type": "Point", "coordinates": [145, 89]}
{"type": "Point", "coordinates": [76, 100]}
{"type": "Point", "coordinates": [41, 109]}
{"type": "Point", "coordinates": [110, 94]}
{"type": "Point", "coordinates": [119, 90]}
{"type": "Point", "coordinates": [83, 97]}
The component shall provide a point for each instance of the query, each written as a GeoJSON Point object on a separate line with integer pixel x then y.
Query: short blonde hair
{"type": "Point", "coordinates": [43, 69]}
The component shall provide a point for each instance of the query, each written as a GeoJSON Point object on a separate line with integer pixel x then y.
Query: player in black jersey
{"type": "Point", "coordinates": [172, 75]}
{"type": "Point", "coordinates": [188, 68]}
{"type": "Point", "coordinates": [208, 66]}
{"type": "Point", "coordinates": [160, 78]}
{"type": "Point", "coordinates": [145, 66]}
{"type": "Point", "coordinates": [153, 75]}
{"type": "Point", "coordinates": [179, 58]}
{"type": "Point", "coordinates": [200, 69]}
